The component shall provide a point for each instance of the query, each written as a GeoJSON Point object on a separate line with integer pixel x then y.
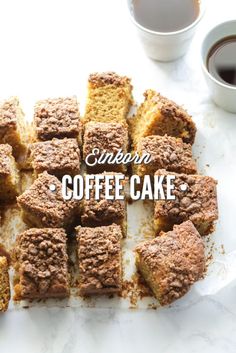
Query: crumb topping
{"type": "Point", "coordinates": [170, 109]}
{"type": "Point", "coordinates": [8, 113]}
{"type": "Point", "coordinates": [57, 117]}
{"type": "Point", "coordinates": [176, 260]}
{"type": "Point", "coordinates": [5, 159]}
{"type": "Point", "coordinates": [168, 152]}
{"type": "Point", "coordinates": [56, 155]}
{"type": "Point", "coordinates": [108, 78]}
{"type": "Point", "coordinates": [107, 137]}
{"type": "Point", "coordinates": [43, 260]}
{"type": "Point", "coordinates": [96, 212]}
{"type": "Point", "coordinates": [4, 284]}
{"type": "Point", "coordinates": [198, 203]}
{"type": "Point", "coordinates": [50, 206]}
{"type": "Point", "coordinates": [99, 253]}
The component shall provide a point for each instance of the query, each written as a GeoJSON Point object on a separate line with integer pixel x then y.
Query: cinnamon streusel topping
{"type": "Point", "coordinates": [42, 259]}
{"type": "Point", "coordinates": [102, 211]}
{"type": "Point", "coordinates": [107, 137]}
{"type": "Point", "coordinates": [198, 203]}
{"type": "Point", "coordinates": [49, 205]}
{"type": "Point", "coordinates": [5, 159]}
{"type": "Point", "coordinates": [99, 254]}
{"type": "Point", "coordinates": [108, 78]}
{"type": "Point", "coordinates": [175, 260]}
{"type": "Point", "coordinates": [56, 154]}
{"type": "Point", "coordinates": [8, 113]}
{"type": "Point", "coordinates": [169, 153]}
{"type": "Point", "coordinates": [57, 117]}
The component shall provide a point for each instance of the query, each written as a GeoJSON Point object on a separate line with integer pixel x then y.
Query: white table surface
{"type": "Point", "coordinates": [48, 48]}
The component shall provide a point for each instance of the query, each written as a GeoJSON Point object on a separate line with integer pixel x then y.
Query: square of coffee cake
{"type": "Point", "coordinates": [109, 98]}
{"type": "Point", "coordinates": [9, 175]}
{"type": "Point", "coordinates": [158, 115]}
{"type": "Point", "coordinates": [4, 284]}
{"type": "Point", "coordinates": [43, 207]}
{"type": "Point", "coordinates": [57, 117]}
{"type": "Point", "coordinates": [99, 257]}
{"type": "Point", "coordinates": [166, 152]}
{"type": "Point", "coordinates": [42, 264]}
{"type": "Point", "coordinates": [172, 262]}
{"type": "Point", "coordinates": [106, 138]}
{"type": "Point", "coordinates": [57, 157]}
{"type": "Point", "coordinates": [102, 211]}
{"type": "Point", "coordinates": [195, 200]}
{"type": "Point", "coordinates": [13, 126]}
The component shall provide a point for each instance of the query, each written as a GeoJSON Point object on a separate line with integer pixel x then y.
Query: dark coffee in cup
{"type": "Point", "coordinates": [166, 15]}
{"type": "Point", "coordinates": [221, 60]}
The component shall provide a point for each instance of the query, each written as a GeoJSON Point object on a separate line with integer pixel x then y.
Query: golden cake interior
{"type": "Point", "coordinates": [109, 98]}
{"type": "Point", "coordinates": [159, 116]}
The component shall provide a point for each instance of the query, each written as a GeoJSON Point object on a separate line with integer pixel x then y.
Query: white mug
{"type": "Point", "coordinates": [223, 95]}
{"type": "Point", "coordinates": [166, 46]}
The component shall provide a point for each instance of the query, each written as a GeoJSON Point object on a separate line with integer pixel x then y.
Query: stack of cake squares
{"type": "Point", "coordinates": [175, 259]}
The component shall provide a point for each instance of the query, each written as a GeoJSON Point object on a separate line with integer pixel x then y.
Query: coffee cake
{"type": "Point", "coordinates": [197, 204]}
{"type": "Point", "coordinates": [13, 126]}
{"type": "Point", "coordinates": [166, 152]}
{"type": "Point", "coordinates": [45, 208]}
{"type": "Point", "coordinates": [107, 138]}
{"type": "Point", "coordinates": [99, 257]}
{"type": "Point", "coordinates": [103, 212]}
{"type": "Point", "coordinates": [9, 175]}
{"type": "Point", "coordinates": [158, 115]}
{"type": "Point", "coordinates": [57, 117]}
{"type": "Point", "coordinates": [109, 98]}
{"type": "Point", "coordinates": [4, 284]}
{"type": "Point", "coordinates": [57, 157]}
{"type": "Point", "coordinates": [172, 262]}
{"type": "Point", "coordinates": [42, 264]}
